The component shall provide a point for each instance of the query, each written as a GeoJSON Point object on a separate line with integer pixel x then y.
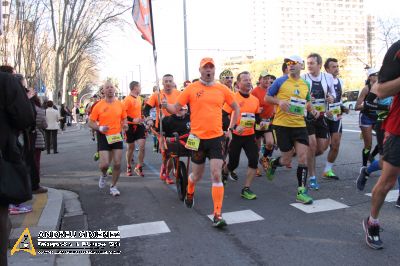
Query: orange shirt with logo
{"type": "Point", "coordinates": [109, 114]}
{"type": "Point", "coordinates": [268, 109]}
{"type": "Point", "coordinates": [206, 104]}
{"type": "Point", "coordinates": [249, 105]}
{"type": "Point", "coordinates": [171, 99]}
{"type": "Point", "coordinates": [133, 107]}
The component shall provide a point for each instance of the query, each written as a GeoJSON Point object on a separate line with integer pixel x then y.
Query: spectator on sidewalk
{"type": "Point", "coordinates": [16, 114]}
{"type": "Point", "coordinates": [52, 118]}
{"type": "Point", "coordinates": [41, 125]}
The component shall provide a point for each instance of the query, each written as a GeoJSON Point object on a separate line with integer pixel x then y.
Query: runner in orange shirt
{"type": "Point", "coordinates": [243, 135]}
{"type": "Point", "coordinates": [267, 111]}
{"type": "Point", "coordinates": [206, 99]}
{"type": "Point", "coordinates": [108, 117]}
{"type": "Point", "coordinates": [136, 131]}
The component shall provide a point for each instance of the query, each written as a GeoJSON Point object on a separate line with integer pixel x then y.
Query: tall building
{"type": "Point", "coordinates": [293, 26]}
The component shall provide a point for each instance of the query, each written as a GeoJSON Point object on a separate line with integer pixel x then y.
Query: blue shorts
{"type": "Point", "coordinates": [365, 121]}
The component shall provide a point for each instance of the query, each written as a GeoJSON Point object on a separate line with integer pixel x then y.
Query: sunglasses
{"type": "Point", "coordinates": [291, 63]}
{"type": "Point", "coordinates": [228, 77]}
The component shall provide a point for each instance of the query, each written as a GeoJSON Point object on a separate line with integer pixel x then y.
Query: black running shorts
{"type": "Point", "coordinates": [208, 148]}
{"type": "Point", "coordinates": [285, 137]}
{"type": "Point", "coordinates": [135, 132]}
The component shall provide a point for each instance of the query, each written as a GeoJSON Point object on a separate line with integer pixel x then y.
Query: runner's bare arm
{"type": "Point", "coordinates": [360, 100]}
{"type": "Point", "coordinates": [284, 105]}
{"type": "Point", "coordinates": [386, 89]}
{"type": "Point", "coordinates": [124, 124]}
{"type": "Point", "coordinates": [171, 108]}
{"type": "Point", "coordinates": [236, 112]}
{"type": "Point", "coordinates": [93, 125]}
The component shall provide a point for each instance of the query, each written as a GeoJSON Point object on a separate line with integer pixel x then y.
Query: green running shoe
{"type": "Point", "coordinates": [330, 175]}
{"type": "Point", "coordinates": [96, 156]}
{"type": "Point", "coordinates": [219, 222]}
{"type": "Point", "coordinates": [248, 194]}
{"type": "Point", "coordinates": [109, 170]}
{"type": "Point", "coordinates": [270, 171]}
{"type": "Point", "coordinates": [302, 196]}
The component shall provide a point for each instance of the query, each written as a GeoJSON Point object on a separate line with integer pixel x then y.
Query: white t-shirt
{"type": "Point", "coordinates": [326, 80]}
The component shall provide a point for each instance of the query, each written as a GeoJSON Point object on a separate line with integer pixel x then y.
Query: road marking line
{"type": "Point", "coordinates": [320, 206]}
{"type": "Point", "coordinates": [32, 218]}
{"type": "Point", "coordinates": [143, 229]}
{"type": "Point", "coordinates": [239, 217]}
{"type": "Point", "coordinates": [390, 197]}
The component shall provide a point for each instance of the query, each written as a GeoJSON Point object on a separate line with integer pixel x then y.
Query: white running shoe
{"type": "Point", "coordinates": [114, 191]}
{"type": "Point", "coordinates": [102, 181]}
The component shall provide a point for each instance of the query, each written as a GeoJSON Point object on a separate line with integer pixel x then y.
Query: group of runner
{"type": "Point", "coordinates": [299, 114]}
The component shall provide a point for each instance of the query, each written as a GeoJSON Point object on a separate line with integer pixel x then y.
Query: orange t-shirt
{"type": "Point", "coordinates": [268, 109]}
{"type": "Point", "coordinates": [206, 104]}
{"type": "Point", "coordinates": [249, 107]}
{"type": "Point", "coordinates": [109, 114]}
{"type": "Point", "coordinates": [133, 107]}
{"type": "Point", "coordinates": [171, 99]}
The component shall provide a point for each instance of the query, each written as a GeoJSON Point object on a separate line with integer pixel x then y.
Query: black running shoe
{"type": "Point", "coordinates": [398, 202]}
{"type": "Point", "coordinates": [189, 200]}
{"type": "Point", "coordinates": [233, 176]}
{"type": "Point", "coordinates": [219, 222]}
{"type": "Point", "coordinates": [362, 178]}
{"type": "Point", "coordinates": [372, 237]}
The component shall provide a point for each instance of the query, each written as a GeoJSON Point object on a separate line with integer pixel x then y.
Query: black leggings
{"type": "Point", "coordinates": [51, 139]}
{"type": "Point", "coordinates": [249, 145]}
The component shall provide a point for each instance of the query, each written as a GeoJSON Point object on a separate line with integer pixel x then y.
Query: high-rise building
{"type": "Point", "coordinates": [293, 26]}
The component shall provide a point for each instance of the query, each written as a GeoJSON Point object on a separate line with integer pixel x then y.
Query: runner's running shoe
{"type": "Point", "coordinates": [114, 191]}
{"type": "Point", "coordinates": [102, 181]}
{"type": "Point", "coordinates": [233, 176]}
{"type": "Point", "coordinates": [302, 196]}
{"type": "Point", "coordinates": [189, 200]}
{"type": "Point", "coordinates": [169, 180]}
{"type": "Point", "coordinates": [270, 171]}
{"type": "Point", "coordinates": [129, 170]}
{"type": "Point", "coordinates": [313, 183]}
{"type": "Point", "coordinates": [264, 161]}
{"type": "Point", "coordinates": [248, 194]}
{"type": "Point", "coordinates": [18, 209]}
{"type": "Point", "coordinates": [218, 221]}
{"type": "Point", "coordinates": [96, 156]}
{"type": "Point", "coordinates": [109, 170]}
{"type": "Point", "coordinates": [362, 178]}
{"type": "Point", "coordinates": [139, 170]}
{"type": "Point", "coordinates": [372, 237]}
{"type": "Point", "coordinates": [330, 175]}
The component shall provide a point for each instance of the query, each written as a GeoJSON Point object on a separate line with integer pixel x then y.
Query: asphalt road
{"type": "Point", "coordinates": [283, 235]}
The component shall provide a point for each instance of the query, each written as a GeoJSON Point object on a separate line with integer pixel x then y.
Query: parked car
{"type": "Point", "coordinates": [349, 99]}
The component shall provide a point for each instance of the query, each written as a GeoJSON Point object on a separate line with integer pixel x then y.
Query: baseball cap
{"type": "Point", "coordinates": [372, 71]}
{"type": "Point", "coordinates": [225, 73]}
{"type": "Point", "coordinates": [266, 74]}
{"type": "Point", "coordinates": [206, 60]}
{"type": "Point", "coordinates": [294, 58]}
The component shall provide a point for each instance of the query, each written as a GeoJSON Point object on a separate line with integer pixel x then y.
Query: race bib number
{"type": "Point", "coordinates": [297, 106]}
{"type": "Point", "coordinates": [266, 123]}
{"type": "Point", "coordinates": [247, 120]}
{"type": "Point", "coordinates": [114, 138]}
{"type": "Point", "coordinates": [335, 110]}
{"type": "Point", "coordinates": [192, 143]}
{"type": "Point", "coordinates": [319, 105]}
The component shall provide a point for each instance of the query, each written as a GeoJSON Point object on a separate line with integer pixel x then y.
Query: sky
{"type": "Point", "coordinates": [216, 28]}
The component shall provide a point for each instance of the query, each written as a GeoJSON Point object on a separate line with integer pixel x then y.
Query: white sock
{"type": "Point", "coordinates": [373, 220]}
{"type": "Point", "coordinates": [328, 166]}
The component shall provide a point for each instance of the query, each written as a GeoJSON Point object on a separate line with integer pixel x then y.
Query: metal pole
{"type": "Point", "coordinates": [185, 41]}
{"type": "Point", "coordinates": [140, 75]}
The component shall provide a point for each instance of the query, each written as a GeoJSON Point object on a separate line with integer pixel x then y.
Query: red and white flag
{"type": "Point", "coordinates": [142, 18]}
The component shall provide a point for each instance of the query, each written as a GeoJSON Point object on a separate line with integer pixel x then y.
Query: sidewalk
{"type": "Point", "coordinates": [46, 215]}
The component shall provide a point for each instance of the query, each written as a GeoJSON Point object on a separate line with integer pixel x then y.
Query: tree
{"type": "Point", "coordinates": [76, 26]}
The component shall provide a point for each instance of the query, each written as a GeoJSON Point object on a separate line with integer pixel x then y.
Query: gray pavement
{"type": "Point", "coordinates": [284, 236]}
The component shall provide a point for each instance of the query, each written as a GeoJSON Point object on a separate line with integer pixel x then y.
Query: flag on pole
{"type": "Point", "coordinates": [141, 16]}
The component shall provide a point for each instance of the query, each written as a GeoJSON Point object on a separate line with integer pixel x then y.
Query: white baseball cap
{"type": "Point", "coordinates": [294, 58]}
{"type": "Point", "coordinates": [372, 71]}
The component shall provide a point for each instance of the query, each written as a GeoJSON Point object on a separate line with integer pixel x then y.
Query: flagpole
{"type": "Point", "coordinates": [161, 144]}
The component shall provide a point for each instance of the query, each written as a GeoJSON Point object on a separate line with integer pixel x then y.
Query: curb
{"type": "Point", "coordinates": [49, 219]}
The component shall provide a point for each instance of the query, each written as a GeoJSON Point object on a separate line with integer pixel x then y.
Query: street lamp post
{"type": "Point", "coordinates": [185, 41]}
